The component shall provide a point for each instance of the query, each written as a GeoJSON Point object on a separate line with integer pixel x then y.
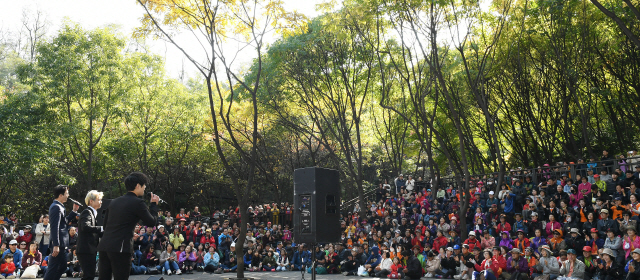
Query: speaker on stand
{"type": "Point", "coordinates": [316, 218]}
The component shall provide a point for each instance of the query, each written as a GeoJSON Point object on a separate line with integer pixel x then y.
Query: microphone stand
{"type": "Point", "coordinates": [313, 261]}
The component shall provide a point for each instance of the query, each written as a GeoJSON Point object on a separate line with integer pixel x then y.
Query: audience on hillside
{"type": "Point", "coordinates": [580, 222]}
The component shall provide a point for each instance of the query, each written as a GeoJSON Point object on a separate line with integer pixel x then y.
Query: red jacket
{"type": "Point", "coordinates": [472, 243]}
{"type": "Point", "coordinates": [439, 242]}
{"type": "Point", "coordinates": [27, 238]}
{"type": "Point", "coordinates": [502, 263]}
{"type": "Point", "coordinates": [7, 268]}
{"type": "Point", "coordinates": [486, 264]}
{"type": "Point", "coordinates": [522, 244]}
{"type": "Point", "coordinates": [211, 240]}
{"type": "Point", "coordinates": [506, 227]}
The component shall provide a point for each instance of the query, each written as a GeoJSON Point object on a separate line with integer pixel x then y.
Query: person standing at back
{"type": "Point", "coordinates": [89, 234]}
{"type": "Point", "coordinates": [116, 245]}
{"type": "Point", "coordinates": [59, 239]}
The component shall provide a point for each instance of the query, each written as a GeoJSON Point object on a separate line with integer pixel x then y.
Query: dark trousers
{"type": "Point", "coordinates": [56, 265]}
{"type": "Point", "coordinates": [114, 264]}
{"type": "Point", "coordinates": [88, 264]}
{"type": "Point", "coordinates": [210, 268]}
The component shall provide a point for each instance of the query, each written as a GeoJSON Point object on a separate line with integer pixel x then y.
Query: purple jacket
{"type": "Point", "coordinates": [183, 257]}
{"type": "Point", "coordinates": [536, 242]}
{"type": "Point", "coordinates": [506, 242]}
{"type": "Point", "coordinates": [523, 266]}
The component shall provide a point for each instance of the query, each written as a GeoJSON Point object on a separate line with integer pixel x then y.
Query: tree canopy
{"type": "Point", "coordinates": [375, 88]}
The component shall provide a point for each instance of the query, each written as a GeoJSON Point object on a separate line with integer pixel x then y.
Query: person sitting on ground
{"type": "Point", "coordinates": [607, 267]}
{"type": "Point", "coordinates": [590, 262]}
{"type": "Point", "coordinates": [547, 264]}
{"type": "Point", "coordinates": [135, 268]}
{"type": "Point", "coordinates": [472, 241]}
{"type": "Point", "coordinates": [229, 263]}
{"type": "Point", "coordinates": [299, 257]}
{"type": "Point", "coordinates": [396, 269]}
{"type": "Point", "coordinates": [212, 260]}
{"type": "Point", "coordinates": [8, 268]}
{"type": "Point", "coordinates": [432, 264]}
{"type": "Point", "coordinates": [350, 267]}
{"type": "Point", "coordinates": [517, 266]}
{"type": "Point", "coordinates": [269, 261]}
{"type": "Point", "coordinates": [572, 268]}
{"type": "Point", "coordinates": [17, 254]}
{"type": "Point", "coordinates": [32, 256]}
{"type": "Point", "coordinates": [283, 261]}
{"type": "Point", "coordinates": [413, 269]}
{"type": "Point", "coordinates": [633, 266]}
{"type": "Point", "coordinates": [384, 268]}
{"type": "Point", "coordinates": [26, 236]}
{"type": "Point", "coordinates": [332, 261]}
{"type": "Point", "coordinates": [149, 257]}
{"type": "Point", "coordinates": [447, 264]}
{"type": "Point", "coordinates": [168, 259]}
{"type": "Point", "coordinates": [73, 264]}
{"type": "Point", "coordinates": [372, 261]}
{"type": "Point", "coordinates": [187, 259]}
{"type": "Point", "coordinates": [488, 268]}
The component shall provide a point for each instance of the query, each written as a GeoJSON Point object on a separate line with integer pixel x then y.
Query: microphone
{"type": "Point", "coordinates": [75, 201]}
{"type": "Point", "coordinates": [160, 200]}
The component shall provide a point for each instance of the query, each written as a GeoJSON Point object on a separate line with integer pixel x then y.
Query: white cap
{"type": "Point", "coordinates": [491, 192]}
{"type": "Point", "coordinates": [233, 244]}
{"type": "Point", "coordinates": [472, 233]}
{"type": "Point", "coordinates": [13, 242]}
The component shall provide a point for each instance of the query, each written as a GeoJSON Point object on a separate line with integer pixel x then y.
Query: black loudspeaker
{"type": "Point", "coordinates": [155, 278]}
{"type": "Point", "coordinates": [102, 211]}
{"type": "Point", "coordinates": [316, 193]}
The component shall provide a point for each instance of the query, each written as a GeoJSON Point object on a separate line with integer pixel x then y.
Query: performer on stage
{"type": "Point", "coordinates": [59, 239]}
{"type": "Point", "coordinates": [89, 234]}
{"type": "Point", "coordinates": [116, 245]}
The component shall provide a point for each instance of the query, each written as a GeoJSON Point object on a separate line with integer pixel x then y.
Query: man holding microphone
{"type": "Point", "coordinates": [116, 245]}
{"type": "Point", "coordinates": [59, 240]}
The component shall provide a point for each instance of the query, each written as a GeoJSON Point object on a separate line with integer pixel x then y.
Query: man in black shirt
{"type": "Point", "coordinates": [350, 267]}
{"type": "Point", "coordinates": [413, 269]}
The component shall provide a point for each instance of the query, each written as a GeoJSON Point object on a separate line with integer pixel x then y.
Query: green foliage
{"type": "Point", "coordinates": [373, 89]}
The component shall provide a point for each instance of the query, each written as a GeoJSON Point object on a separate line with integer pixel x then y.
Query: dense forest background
{"type": "Point", "coordinates": [371, 88]}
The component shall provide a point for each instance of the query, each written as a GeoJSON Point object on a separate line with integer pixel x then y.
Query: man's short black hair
{"type": "Point", "coordinates": [59, 190]}
{"type": "Point", "coordinates": [134, 179]}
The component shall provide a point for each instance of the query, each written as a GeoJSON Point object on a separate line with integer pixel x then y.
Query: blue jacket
{"type": "Point", "coordinates": [17, 257]}
{"type": "Point", "coordinates": [220, 238]}
{"type": "Point", "coordinates": [375, 258]}
{"type": "Point", "coordinates": [509, 203]}
{"type": "Point", "coordinates": [490, 202]}
{"type": "Point", "coordinates": [299, 256]}
{"type": "Point", "coordinates": [211, 260]}
{"type": "Point", "coordinates": [520, 225]}
{"type": "Point", "coordinates": [247, 261]}
{"type": "Point", "coordinates": [59, 234]}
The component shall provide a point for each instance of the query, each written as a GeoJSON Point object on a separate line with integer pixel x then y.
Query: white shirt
{"type": "Point", "coordinates": [95, 214]}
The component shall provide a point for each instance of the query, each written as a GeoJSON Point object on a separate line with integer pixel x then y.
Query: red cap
{"type": "Point", "coordinates": [594, 230]}
{"type": "Point", "coordinates": [596, 176]}
{"type": "Point", "coordinates": [586, 248]}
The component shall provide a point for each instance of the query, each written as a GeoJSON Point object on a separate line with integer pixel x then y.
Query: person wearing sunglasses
{"type": "Point", "coordinates": [23, 247]}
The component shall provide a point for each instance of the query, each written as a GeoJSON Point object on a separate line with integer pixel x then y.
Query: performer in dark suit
{"type": "Point", "coordinates": [89, 234]}
{"type": "Point", "coordinates": [116, 245]}
{"type": "Point", "coordinates": [59, 239]}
